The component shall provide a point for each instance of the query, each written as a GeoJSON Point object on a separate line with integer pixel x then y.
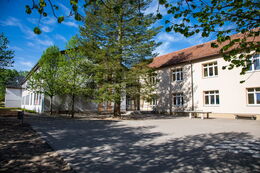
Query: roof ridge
{"type": "Point", "coordinates": [186, 48]}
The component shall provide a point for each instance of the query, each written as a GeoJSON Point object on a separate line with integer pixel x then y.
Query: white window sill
{"type": "Point", "coordinates": [178, 106]}
{"type": "Point", "coordinates": [209, 77]}
{"type": "Point", "coordinates": [252, 71]}
{"type": "Point", "coordinates": [253, 105]}
{"type": "Point", "coordinates": [212, 105]}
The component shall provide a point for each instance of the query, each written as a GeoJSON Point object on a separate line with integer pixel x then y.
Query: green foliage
{"type": "Point", "coordinates": [22, 109]}
{"type": "Point", "coordinates": [6, 56]}
{"type": "Point", "coordinates": [138, 81]}
{"type": "Point", "coordinates": [45, 78]}
{"type": "Point", "coordinates": [222, 18]}
{"type": "Point", "coordinates": [75, 73]}
{"type": "Point", "coordinates": [6, 60]}
{"type": "Point", "coordinates": [60, 19]}
{"type": "Point", "coordinates": [37, 30]}
{"type": "Point", "coordinates": [6, 76]}
{"type": "Point", "coordinates": [114, 42]}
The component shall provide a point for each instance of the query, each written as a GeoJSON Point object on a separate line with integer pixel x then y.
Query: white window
{"type": "Point", "coordinates": [178, 99]}
{"type": "Point", "coordinates": [211, 97]}
{"type": "Point", "coordinates": [255, 63]}
{"type": "Point", "coordinates": [40, 96]}
{"type": "Point", "coordinates": [210, 69]}
{"type": "Point", "coordinates": [153, 79]}
{"type": "Point", "coordinates": [27, 100]}
{"type": "Point", "coordinates": [253, 96]}
{"type": "Point", "coordinates": [31, 100]}
{"type": "Point", "coordinates": [153, 102]}
{"type": "Point", "coordinates": [177, 75]}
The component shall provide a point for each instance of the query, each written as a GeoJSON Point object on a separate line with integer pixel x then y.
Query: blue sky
{"type": "Point", "coordinates": [18, 26]}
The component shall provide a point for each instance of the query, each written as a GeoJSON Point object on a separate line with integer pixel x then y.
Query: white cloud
{"type": "Point", "coordinates": [45, 42]}
{"type": "Point", "coordinates": [49, 20]}
{"type": "Point", "coordinates": [45, 20]}
{"type": "Point", "coordinates": [167, 39]}
{"type": "Point", "coordinates": [46, 29]}
{"type": "Point", "coordinates": [60, 37]}
{"type": "Point", "coordinates": [15, 48]}
{"type": "Point", "coordinates": [65, 9]}
{"type": "Point", "coordinates": [72, 24]}
{"type": "Point", "coordinates": [27, 63]}
{"type": "Point", "coordinates": [29, 34]}
{"type": "Point", "coordinates": [153, 7]}
{"type": "Point", "coordinates": [30, 44]}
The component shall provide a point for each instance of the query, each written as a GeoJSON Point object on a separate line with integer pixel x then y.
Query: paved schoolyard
{"type": "Point", "coordinates": [169, 145]}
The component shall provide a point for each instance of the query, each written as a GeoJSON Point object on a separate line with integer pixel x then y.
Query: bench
{"type": "Point", "coordinates": [252, 116]}
{"type": "Point", "coordinates": [193, 113]}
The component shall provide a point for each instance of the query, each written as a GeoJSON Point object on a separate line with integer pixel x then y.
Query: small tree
{"type": "Point", "coordinates": [139, 84]}
{"type": "Point", "coordinates": [46, 78]}
{"type": "Point", "coordinates": [7, 75]}
{"type": "Point", "coordinates": [75, 73]}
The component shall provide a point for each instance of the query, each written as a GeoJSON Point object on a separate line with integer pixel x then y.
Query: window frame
{"type": "Point", "coordinates": [253, 60]}
{"type": "Point", "coordinates": [208, 66]}
{"type": "Point", "coordinates": [153, 79]}
{"type": "Point", "coordinates": [181, 101]}
{"type": "Point", "coordinates": [175, 73]}
{"type": "Point", "coordinates": [254, 92]}
{"type": "Point", "coordinates": [154, 100]}
{"type": "Point", "coordinates": [209, 95]}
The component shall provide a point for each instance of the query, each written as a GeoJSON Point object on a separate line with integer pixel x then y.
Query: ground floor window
{"type": "Point", "coordinates": [27, 100]}
{"type": "Point", "coordinates": [153, 101]}
{"type": "Point", "coordinates": [253, 96]}
{"type": "Point", "coordinates": [211, 97]}
{"type": "Point", "coordinates": [178, 99]}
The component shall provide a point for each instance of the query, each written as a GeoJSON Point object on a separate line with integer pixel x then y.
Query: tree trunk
{"type": "Point", "coordinates": [51, 104]}
{"type": "Point", "coordinates": [117, 111]}
{"type": "Point", "coordinates": [72, 106]}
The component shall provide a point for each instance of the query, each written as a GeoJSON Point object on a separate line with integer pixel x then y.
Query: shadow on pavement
{"type": "Point", "coordinates": [108, 146]}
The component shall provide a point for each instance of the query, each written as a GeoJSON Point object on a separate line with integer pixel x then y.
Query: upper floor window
{"type": "Point", "coordinates": [177, 74]}
{"type": "Point", "coordinates": [253, 96]}
{"type": "Point", "coordinates": [210, 69]}
{"type": "Point", "coordinates": [178, 99]}
{"type": "Point", "coordinates": [211, 97]}
{"type": "Point", "coordinates": [153, 79]}
{"type": "Point", "coordinates": [255, 63]}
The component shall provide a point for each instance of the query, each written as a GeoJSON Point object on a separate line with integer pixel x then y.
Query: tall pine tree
{"type": "Point", "coordinates": [116, 36]}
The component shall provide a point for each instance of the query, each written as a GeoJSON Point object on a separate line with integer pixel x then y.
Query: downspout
{"type": "Point", "coordinates": [170, 85]}
{"type": "Point", "coordinates": [192, 92]}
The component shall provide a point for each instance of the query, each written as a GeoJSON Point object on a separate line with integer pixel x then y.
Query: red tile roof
{"type": "Point", "coordinates": [193, 53]}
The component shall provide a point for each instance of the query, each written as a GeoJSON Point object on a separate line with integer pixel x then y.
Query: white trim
{"type": "Point", "coordinates": [209, 94]}
{"type": "Point", "coordinates": [208, 66]}
{"type": "Point", "coordinates": [254, 92]}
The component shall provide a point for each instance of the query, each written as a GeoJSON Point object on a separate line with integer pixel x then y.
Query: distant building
{"type": "Point", "coordinates": [13, 93]}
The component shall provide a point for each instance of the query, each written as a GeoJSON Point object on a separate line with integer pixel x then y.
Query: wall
{"type": "Point", "coordinates": [28, 100]}
{"type": "Point", "coordinates": [233, 94]}
{"type": "Point", "coordinates": [60, 103]}
{"type": "Point", "coordinates": [13, 97]}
